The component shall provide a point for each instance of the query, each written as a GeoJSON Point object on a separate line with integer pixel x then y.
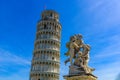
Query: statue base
{"type": "Point", "coordinates": [73, 70]}
{"type": "Point", "coordinates": [80, 77]}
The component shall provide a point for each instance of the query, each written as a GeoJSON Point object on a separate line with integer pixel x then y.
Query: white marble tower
{"type": "Point", "coordinates": [46, 55]}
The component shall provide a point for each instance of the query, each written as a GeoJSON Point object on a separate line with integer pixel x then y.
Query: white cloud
{"type": "Point", "coordinates": [107, 61]}
{"type": "Point", "coordinates": [95, 5]}
{"type": "Point", "coordinates": [108, 71]}
{"type": "Point", "coordinates": [112, 49]}
{"type": "Point", "coordinates": [9, 60]}
{"type": "Point", "coordinates": [22, 74]}
{"type": "Point", "coordinates": [100, 15]}
{"type": "Point", "coordinates": [8, 57]}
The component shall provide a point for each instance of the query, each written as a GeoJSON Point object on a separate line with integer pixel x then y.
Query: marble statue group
{"type": "Point", "coordinates": [78, 56]}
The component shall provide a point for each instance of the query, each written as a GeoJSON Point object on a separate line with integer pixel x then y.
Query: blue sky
{"type": "Point", "coordinates": [97, 20]}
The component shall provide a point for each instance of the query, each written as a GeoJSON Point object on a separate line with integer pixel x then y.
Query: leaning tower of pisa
{"type": "Point", "coordinates": [46, 55]}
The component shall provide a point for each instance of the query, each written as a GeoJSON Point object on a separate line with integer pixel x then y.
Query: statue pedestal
{"type": "Point", "coordinates": [73, 70]}
{"type": "Point", "coordinates": [80, 77]}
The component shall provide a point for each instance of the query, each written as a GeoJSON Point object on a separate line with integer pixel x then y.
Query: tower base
{"type": "Point", "coordinates": [80, 77]}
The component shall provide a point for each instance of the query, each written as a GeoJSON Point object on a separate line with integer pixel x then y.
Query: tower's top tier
{"type": "Point", "coordinates": [50, 15]}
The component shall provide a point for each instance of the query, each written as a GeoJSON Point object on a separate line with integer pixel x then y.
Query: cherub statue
{"type": "Point", "coordinates": [78, 60]}
{"type": "Point", "coordinates": [73, 47]}
{"type": "Point", "coordinates": [82, 58]}
{"type": "Point", "coordinates": [78, 53]}
{"type": "Point", "coordinates": [85, 57]}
